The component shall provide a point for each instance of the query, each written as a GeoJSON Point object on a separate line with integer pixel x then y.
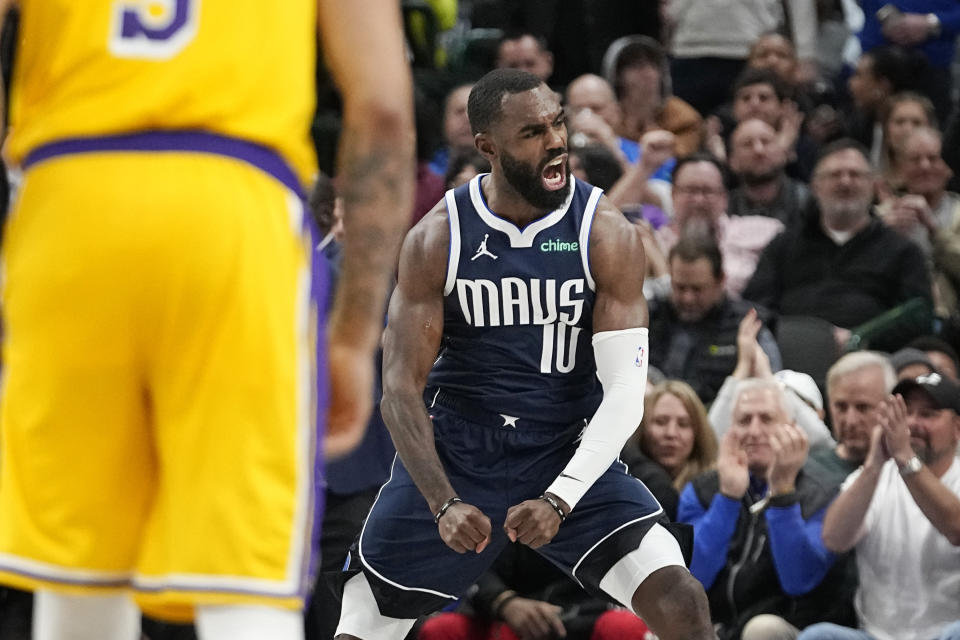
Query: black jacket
{"type": "Point", "coordinates": [711, 355]}
{"type": "Point", "coordinates": [804, 272]}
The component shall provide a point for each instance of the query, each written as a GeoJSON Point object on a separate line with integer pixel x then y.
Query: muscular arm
{"type": "Point", "coordinates": [375, 170]}
{"type": "Point", "coordinates": [411, 343]}
{"type": "Point", "coordinates": [617, 265]}
{"type": "Point", "coordinates": [617, 262]}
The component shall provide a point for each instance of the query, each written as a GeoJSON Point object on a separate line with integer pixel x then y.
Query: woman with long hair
{"type": "Point", "coordinates": [675, 432]}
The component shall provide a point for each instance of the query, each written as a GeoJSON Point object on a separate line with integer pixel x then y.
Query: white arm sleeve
{"type": "Point", "coordinates": [621, 358]}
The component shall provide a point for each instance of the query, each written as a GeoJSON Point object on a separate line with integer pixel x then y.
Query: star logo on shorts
{"type": "Point", "coordinates": [509, 421]}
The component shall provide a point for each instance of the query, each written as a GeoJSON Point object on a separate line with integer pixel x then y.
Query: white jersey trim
{"type": "Point", "coordinates": [585, 226]}
{"type": "Point", "coordinates": [453, 253]}
{"type": "Point", "coordinates": [518, 239]}
{"type": "Point", "coordinates": [36, 569]}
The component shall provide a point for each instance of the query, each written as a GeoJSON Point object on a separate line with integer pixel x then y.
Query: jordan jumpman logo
{"type": "Point", "coordinates": [482, 250]}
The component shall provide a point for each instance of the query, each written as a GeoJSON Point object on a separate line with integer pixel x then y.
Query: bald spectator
{"type": "Point", "coordinates": [700, 206]}
{"type": "Point", "coordinates": [594, 114]}
{"type": "Point", "coordinates": [758, 160]}
{"type": "Point", "coordinates": [525, 52]}
{"type": "Point", "coordinates": [842, 264]}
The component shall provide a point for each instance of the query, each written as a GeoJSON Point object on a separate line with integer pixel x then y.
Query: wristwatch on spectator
{"type": "Point", "coordinates": [911, 466]}
{"type": "Point", "coordinates": [934, 23]}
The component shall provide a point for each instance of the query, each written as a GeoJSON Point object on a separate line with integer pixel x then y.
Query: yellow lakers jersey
{"type": "Point", "coordinates": [239, 68]}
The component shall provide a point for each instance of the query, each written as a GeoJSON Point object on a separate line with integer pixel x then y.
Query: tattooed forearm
{"type": "Point", "coordinates": [376, 176]}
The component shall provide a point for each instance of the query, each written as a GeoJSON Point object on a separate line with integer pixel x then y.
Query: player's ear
{"type": "Point", "coordinates": [485, 146]}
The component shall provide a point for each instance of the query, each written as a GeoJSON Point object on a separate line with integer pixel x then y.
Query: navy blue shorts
{"type": "Point", "coordinates": [493, 467]}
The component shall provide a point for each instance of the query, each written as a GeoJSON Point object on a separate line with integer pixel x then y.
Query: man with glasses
{"type": "Point", "coordinates": [700, 208]}
{"type": "Point", "coordinates": [842, 264]}
{"type": "Point", "coordinates": [901, 511]}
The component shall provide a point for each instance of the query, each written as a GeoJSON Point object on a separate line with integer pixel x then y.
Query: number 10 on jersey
{"type": "Point", "coordinates": [560, 342]}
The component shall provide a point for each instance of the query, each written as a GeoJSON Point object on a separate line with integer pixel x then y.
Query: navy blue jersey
{"type": "Point", "coordinates": [518, 309]}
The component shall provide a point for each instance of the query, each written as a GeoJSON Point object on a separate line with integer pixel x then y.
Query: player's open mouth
{"type": "Point", "coordinates": [554, 175]}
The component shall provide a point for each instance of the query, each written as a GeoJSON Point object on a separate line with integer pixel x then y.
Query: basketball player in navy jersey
{"type": "Point", "coordinates": [528, 284]}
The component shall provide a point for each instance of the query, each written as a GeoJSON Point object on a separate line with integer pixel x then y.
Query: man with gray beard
{"type": "Point", "coordinates": [841, 264]}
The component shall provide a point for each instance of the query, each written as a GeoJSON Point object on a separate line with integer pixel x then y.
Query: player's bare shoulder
{"type": "Point", "coordinates": [423, 258]}
{"type": "Point", "coordinates": [616, 245]}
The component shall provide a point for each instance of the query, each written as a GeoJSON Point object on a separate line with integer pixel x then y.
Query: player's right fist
{"type": "Point", "coordinates": [464, 528]}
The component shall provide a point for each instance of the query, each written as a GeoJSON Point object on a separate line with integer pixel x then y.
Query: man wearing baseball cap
{"type": "Point", "coordinates": [901, 511]}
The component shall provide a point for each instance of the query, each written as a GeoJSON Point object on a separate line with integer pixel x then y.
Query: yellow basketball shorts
{"type": "Point", "coordinates": [157, 416]}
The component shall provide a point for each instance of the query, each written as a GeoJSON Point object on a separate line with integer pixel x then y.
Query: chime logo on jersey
{"type": "Point", "coordinates": [559, 245]}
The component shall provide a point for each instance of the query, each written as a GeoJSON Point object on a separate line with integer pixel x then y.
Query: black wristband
{"type": "Point", "coordinates": [443, 508]}
{"type": "Point", "coordinates": [783, 499]}
{"type": "Point", "coordinates": [556, 506]}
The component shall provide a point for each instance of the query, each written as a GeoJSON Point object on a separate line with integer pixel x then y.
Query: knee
{"type": "Point", "coordinates": [674, 605]}
{"type": "Point", "coordinates": [673, 590]}
{"type": "Point", "coordinates": [769, 627]}
{"type": "Point", "coordinates": [614, 625]}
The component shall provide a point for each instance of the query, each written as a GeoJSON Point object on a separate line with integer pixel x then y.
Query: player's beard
{"type": "Point", "coordinates": [527, 181]}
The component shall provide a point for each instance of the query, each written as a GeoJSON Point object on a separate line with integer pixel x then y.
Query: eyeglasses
{"type": "Point", "coordinates": [706, 192]}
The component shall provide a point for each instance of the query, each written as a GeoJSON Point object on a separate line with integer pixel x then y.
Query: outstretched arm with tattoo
{"type": "Point", "coordinates": [376, 175]}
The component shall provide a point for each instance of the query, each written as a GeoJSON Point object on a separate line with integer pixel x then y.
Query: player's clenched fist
{"type": "Point", "coordinates": [532, 522]}
{"type": "Point", "coordinates": [464, 528]}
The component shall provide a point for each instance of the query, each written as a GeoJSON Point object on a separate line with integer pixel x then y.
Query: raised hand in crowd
{"type": "Point", "coordinates": [896, 433]}
{"type": "Point", "coordinates": [587, 127]}
{"type": "Point", "coordinates": [905, 213]}
{"type": "Point", "coordinates": [789, 131]}
{"type": "Point", "coordinates": [907, 29]}
{"type": "Point", "coordinates": [790, 447]}
{"type": "Point", "coordinates": [656, 147]}
{"type": "Point", "coordinates": [732, 470]}
{"type": "Point", "coordinates": [752, 362]}
{"type": "Point", "coordinates": [713, 138]}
